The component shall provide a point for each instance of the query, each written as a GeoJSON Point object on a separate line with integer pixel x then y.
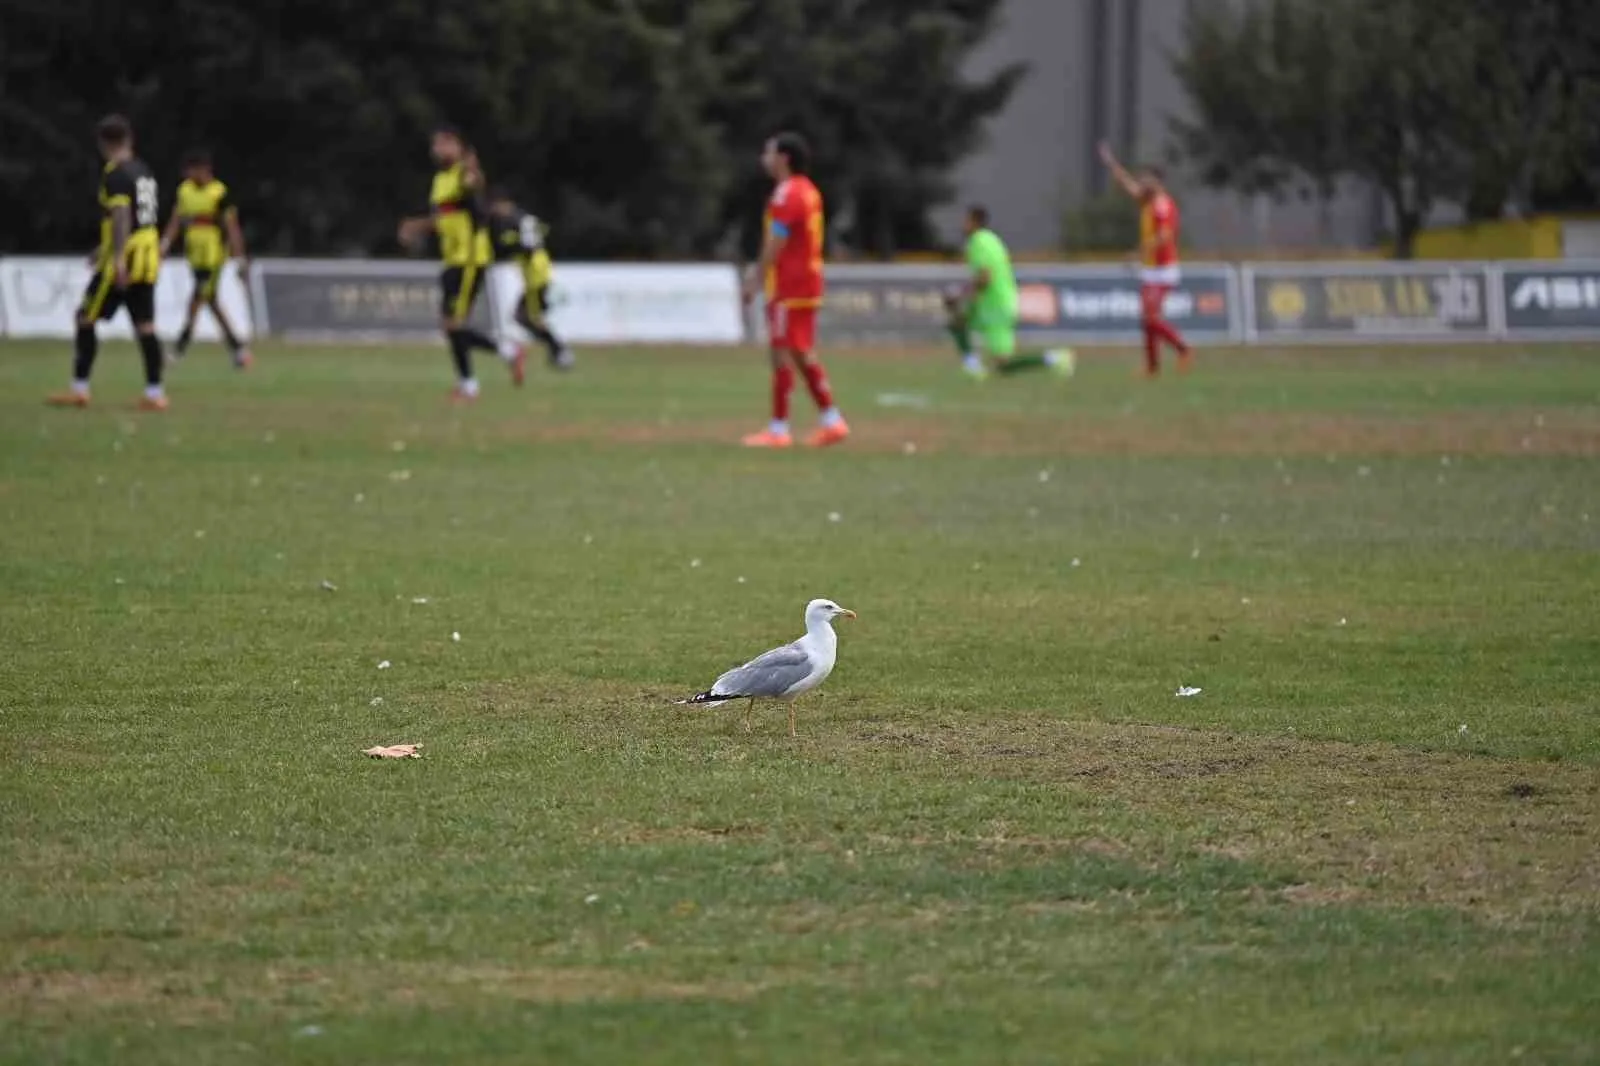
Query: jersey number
{"type": "Point", "coordinates": [145, 206]}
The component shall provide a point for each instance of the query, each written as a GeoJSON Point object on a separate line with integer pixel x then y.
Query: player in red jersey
{"type": "Point", "coordinates": [790, 272]}
{"type": "Point", "coordinates": [1158, 254]}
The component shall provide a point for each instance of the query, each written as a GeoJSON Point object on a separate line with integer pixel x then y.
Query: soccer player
{"type": "Point", "coordinates": [1158, 250]}
{"type": "Point", "coordinates": [790, 272]}
{"type": "Point", "coordinates": [519, 238]}
{"type": "Point", "coordinates": [458, 223]}
{"type": "Point", "coordinates": [126, 265]}
{"type": "Point", "coordinates": [205, 212]}
{"type": "Point", "coordinates": [987, 306]}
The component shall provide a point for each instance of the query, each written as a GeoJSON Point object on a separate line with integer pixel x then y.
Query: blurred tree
{"type": "Point", "coordinates": [1475, 101]}
{"type": "Point", "coordinates": [634, 125]}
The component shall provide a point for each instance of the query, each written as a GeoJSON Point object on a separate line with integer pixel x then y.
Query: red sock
{"type": "Point", "coordinates": [1165, 332]}
{"type": "Point", "coordinates": [1152, 347]}
{"type": "Point", "coordinates": [782, 385]}
{"type": "Point", "coordinates": [817, 382]}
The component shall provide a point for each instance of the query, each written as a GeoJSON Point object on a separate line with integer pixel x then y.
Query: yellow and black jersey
{"type": "Point", "coordinates": [458, 220]}
{"type": "Point", "coordinates": [128, 183]}
{"type": "Point", "coordinates": [203, 209]}
{"type": "Point", "coordinates": [519, 238]}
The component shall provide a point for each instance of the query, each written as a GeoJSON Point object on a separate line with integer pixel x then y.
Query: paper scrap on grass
{"type": "Point", "coordinates": [901, 399]}
{"type": "Point", "coordinates": [1185, 690]}
{"type": "Point", "coordinates": [395, 751]}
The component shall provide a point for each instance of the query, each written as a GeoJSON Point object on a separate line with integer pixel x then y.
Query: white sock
{"type": "Point", "coordinates": [1052, 357]}
{"type": "Point", "coordinates": [80, 388]}
{"type": "Point", "coordinates": [469, 386]}
{"type": "Point", "coordinates": [509, 349]}
{"type": "Point", "coordinates": [830, 417]}
{"type": "Point", "coordinates": [778, 427]}
{"type": "Point", "coordinates": [152, 392]}
{"type": "Point", "coordinates": [972, 361]}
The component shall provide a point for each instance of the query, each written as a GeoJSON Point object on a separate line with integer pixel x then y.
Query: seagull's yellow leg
{"type": "Point", "coordinates": [748, 704]}
{"type": "Point", "coordinates": [791, 719]}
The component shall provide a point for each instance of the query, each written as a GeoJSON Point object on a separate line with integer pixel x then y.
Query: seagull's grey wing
{"type": "Point", "coordinates": [771, 674]}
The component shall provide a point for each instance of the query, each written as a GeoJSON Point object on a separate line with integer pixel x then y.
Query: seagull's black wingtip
{"type": "Point", "coordinates": [708, 697]}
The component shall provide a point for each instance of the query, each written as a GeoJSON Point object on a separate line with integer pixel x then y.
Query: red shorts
{"type": "Point", "coordinates": [1153, 298]}
{"type": "Point", "coordinates": [791, 329]}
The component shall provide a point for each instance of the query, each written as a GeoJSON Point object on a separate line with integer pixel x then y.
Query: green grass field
{"type": "Point", "coordinates": [1000, 837]}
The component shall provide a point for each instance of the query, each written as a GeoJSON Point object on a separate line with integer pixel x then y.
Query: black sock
{"type": "Point", "coordinates": [1028, 361]}
{"type": "Point", "coordinates": [478, 339]}
{"type": "Point", "coordinates": [227, 330]}
{"type": "Point", "coordinates": [540, 332]}
{"type": "Point", "coordinates": [461, 353]}
{"type": "Point", "coordinates": [85, 345]}
{"type": "Point", "coordinates": [185, 337]}
{"type": "Point", "coordinates": [150, 348]}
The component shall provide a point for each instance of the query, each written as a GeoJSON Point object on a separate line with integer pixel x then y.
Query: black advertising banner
{"type": "Point", "coordinates": [356, 299]}
{"type": "Point", "coordinates": [1377, 301]}
{"type": "Point", "coordinates": [1552, 299]}
{"type": "Point", "coordinates": [901, 304]}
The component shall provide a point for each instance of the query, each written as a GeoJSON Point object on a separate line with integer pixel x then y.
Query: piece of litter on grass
{"type": "Point", "coordinates": [1244, 600]}
{"type": "Point", "coordinates": [1186, 690]}
{"type": "Point", "coordinates": [385, 665]}
{"type": "Point", "coordinates": [360, 497]}
{"type": "Point", "coordinates": [398, 446]}
{"type": "Point", "coordinates": [199, 534]}
{"type": "Point", "coordinates": [377, 701]}
{"type": "Point", "coordinates": [694, 564]}
{"type": "Point", "coordinates": [591, 898]}
{"type": "Point", "coordinates": [909, 447]}
{"type": "Point", "coordinates": [309, 1030]}
{"type": "Point", "coordinates": [1076, 562]}
{"type": "Point", "coordinates": [119, 581]}
{"type": "Point", "coordinates": [399, 475]}
{"type": "Point", "coordinates": [1044, 475]}
{"type": "Point", "coordinates": [1463, 729]}
{"type": "Point", "coordinates": [1344, 621]}
{"type": "Point", "coordinates": [395, 751]}
{"type": "Point", "coordinates": [835, 516]}
{"type": "Point", "coordinates": [1363, 471]}
{"type": "Point", "coordinates": [419, 599]}
{"type": "Point", "coordinates": [255, 481]}
{"type": "Point", "coordinates": [901, 399]}
{"type": "Point", "coordinates": [741, 579]}
{"type": "Point", "coordinates": [1194, 553]}
{"type": "Point", "coordinates": [456, 637]}
{"type": "Point", "coordinates": [329, 586]}
{"type": "Point", "coordinates": [588, 538]}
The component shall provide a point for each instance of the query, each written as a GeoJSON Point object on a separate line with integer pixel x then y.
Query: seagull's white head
{"type": "Point", "coordinates": [819, 612]}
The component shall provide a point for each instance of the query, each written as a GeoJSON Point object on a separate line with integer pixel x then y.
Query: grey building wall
{"type": "Point", "coordinates": [1102, 68]}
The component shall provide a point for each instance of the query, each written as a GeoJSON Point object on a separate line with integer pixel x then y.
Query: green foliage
{"type": "Point", "coordinates": [634, 124]}
{"type": "Point", "coordinates": [1479, 102]}
{"type": "Point", "coordinates": [1107, 223]}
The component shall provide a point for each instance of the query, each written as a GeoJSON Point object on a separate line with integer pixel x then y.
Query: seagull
{"type": "Point", "coordinates": [783, 673]}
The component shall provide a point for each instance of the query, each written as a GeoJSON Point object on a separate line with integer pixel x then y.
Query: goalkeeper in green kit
{"type": "Point", "coordinates": [985, 309]}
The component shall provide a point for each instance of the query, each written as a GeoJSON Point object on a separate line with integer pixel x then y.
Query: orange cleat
{"type": "Point", "coordinates": [827, 435]}
{"type": "Point", "coordinates": [768, 439]}
{"type": "Point", "coordinates": [68, 399]}
{"type": "Point", "coordinates": [152, 403]}
{"type": "Point", "coordinates": [519, 365]}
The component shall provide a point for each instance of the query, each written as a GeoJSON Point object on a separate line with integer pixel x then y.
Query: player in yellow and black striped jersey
{"type": "Point", "coordinates": [206, 214]}
{"type": "Point", "coordinates": [457, 221]}
{"type": "Point", "coordinates": [126, 264]}
{"type": "Point", "coordinates": [518, 237]}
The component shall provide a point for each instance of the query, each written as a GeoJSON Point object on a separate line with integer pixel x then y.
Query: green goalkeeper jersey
{"type": "Point", "coordinates": [986, 251]}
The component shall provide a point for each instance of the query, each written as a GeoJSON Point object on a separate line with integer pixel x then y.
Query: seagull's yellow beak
{"type": "Point", "coordinates": [846, 613]}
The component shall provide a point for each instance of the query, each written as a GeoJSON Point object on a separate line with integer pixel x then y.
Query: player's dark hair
{"type": "Point", "coordinates": [196, 157]}
{"type": "Point", "coordinates": [114, 131]}
{"type": "Point", "coordinates": [979, 215]}
{"type": "Point", "coordinates": [794, 148]}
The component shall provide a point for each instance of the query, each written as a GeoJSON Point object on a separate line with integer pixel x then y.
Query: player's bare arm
{"type": "Point", "coordinates": [415, 229]}
{"type": "Point", "coordinates": [771, 244]}
{"type": "Point", "coordinates": [1119, 173]}
{"type": "Point", "coordinates": [121, 228]}
{"type": "Point", "coordinates": [174, 224]}
{"type": "Point", "coordinates": [235, 235]}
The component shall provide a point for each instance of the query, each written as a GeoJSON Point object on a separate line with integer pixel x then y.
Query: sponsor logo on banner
{"type": "Point", "coordinates": [1399, 300]}
{"type": "Point", "coordinates": [355, 299]}
{"type": "Point", "coordinates": [40, 296]}
{"type": "Point", "coordinates": [593, 303]}
{"type": "Point", "coordinates": [1558, 298]}
{"type": "Point", "coordinates": [904, 304]}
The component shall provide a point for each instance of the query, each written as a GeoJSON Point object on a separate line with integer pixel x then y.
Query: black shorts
{"type": "Point", "coordinates": [205, 282]}
{"type": "Point", "coordinates": [458, 290]}
{"type": "Point", "coordinates": [102, 299]}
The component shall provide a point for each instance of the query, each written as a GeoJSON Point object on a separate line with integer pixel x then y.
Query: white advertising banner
{"type": "Point", "coordinates": [40, 297]}
{"type": "Point", "coordinates": [645, 303]}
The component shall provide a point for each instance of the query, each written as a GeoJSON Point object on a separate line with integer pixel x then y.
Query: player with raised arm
{"type": "Point", "coordinates": [1158, 253]}
{"type": "Point", "coordinates": [789, 273]}
{"type": "Point", "coordinates": [456, 219]}
{"type": "Point", "coordinates": [205, 213]}
{"type": "Point", "coordinates": [987, 306]}
{"type": "Point", "coordinates": [126, 265]}
{"type": "Point", "coordinates": [519, 238]}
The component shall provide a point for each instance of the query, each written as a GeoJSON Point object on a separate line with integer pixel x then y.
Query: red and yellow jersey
{"type": "Point", "coordinates": [1158, 231]}
{"type": "Point", "coordinates": [794, 214]}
